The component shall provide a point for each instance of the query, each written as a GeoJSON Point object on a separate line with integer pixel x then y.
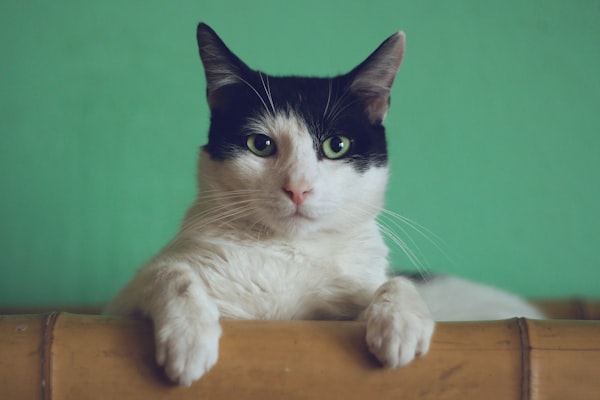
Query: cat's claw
{"type": "Point", "coordinates": [186, 350]}
{"type": "Point", "coordinates": [399, 325]}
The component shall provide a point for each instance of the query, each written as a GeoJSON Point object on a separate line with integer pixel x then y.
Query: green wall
{"type": "Point", "coordinates": [494, 131]}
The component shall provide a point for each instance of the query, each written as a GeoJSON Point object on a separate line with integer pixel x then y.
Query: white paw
{"type": "Point", "coordinates": [187, 349]}
{"type": "Point", "coordinates": [399, 326]}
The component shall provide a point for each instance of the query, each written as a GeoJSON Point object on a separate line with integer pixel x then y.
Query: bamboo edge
{"type": "Point", "coordinates": [80, 354]}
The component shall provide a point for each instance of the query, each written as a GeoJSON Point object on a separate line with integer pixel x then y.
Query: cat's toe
{"type": "Point", "coordinates": [396, 339]}
{"type": "Point", "coordinates": [399, 325]}
{"type": "Point", "coordinates": [187, 353]}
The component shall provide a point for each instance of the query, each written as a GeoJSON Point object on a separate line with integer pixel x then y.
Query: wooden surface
{"type": "Point", "coordinates": [68, 356]}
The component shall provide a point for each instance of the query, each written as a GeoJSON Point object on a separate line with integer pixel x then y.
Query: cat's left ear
{"type": "Point", "coordinates": [221, 66]}
{"type": "Point", "coordinates": [372, 80]}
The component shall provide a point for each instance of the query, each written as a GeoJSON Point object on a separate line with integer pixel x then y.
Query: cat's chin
{"type": "Point", "coordinates": [294, 224]}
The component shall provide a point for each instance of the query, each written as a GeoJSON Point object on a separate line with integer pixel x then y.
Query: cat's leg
{"type": "Point", "coordinates": [185, 318]}
{"type": "Point", "coordinates": [399, 325]}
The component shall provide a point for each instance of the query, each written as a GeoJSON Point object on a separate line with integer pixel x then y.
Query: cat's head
{"type": "Point", "coordinates": [293, 155]}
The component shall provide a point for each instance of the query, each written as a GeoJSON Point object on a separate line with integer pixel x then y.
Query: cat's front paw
{"type": "Point", "coordinates": [187, 349]}
{"type": "Point", "coordinates": [399, 325]}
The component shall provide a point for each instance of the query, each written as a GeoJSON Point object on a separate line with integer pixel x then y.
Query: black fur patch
{"type": "Point", "coordinates": [352, 105]}
{"type": "Point", "coordinates": [307, 98]}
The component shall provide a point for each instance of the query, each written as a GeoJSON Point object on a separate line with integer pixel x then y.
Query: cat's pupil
{"type": "Point", "coordinates": [337, 144]}
{"type": "Point", "coordinates": [262, 142]}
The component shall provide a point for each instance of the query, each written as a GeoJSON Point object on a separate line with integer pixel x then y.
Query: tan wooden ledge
{"type": "Point", "coordinates": [69, 356]}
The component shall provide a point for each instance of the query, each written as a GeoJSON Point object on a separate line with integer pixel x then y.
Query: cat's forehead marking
{"type": "Point", "coordinates": [278, 122]}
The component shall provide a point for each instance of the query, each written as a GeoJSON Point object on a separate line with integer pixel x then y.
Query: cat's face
{"type": "Point", "coordinates": [291, 155]}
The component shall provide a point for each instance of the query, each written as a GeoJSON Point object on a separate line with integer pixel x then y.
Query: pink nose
{"type": "Point", "coordinates": [297, 193]}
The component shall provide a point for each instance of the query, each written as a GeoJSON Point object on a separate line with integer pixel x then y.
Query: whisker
{"type": "Point", "coordinates": [337, 105]}
{"type": "Point", "coordinates": [217, 206]}
{"type": "Point", "coordinates": [330, 84]}
{"type": "Point", "coordinates": [401, 244]}
{"type": "Point", "coordinates": [214, 214]}
{"type": "Point", "coordinates": [427, 234]}
{"type": "Point", "coordinates": [340, 109]}
{"type": "Point", "coordinates": [392, 225]}
{"type": "Point", "coordinates": [388, 230]}
{"type": "Point", "coordinates": [255, 91]}
{"type": "Point", "coordinates": [222, 218]}
{"type": "Point", "coordinates": [267, 88]}
{"type": "Point", "coordinates": [222, 195]}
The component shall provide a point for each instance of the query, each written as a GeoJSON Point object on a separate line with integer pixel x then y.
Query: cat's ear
{"type": "Point", "coordinates": [221, 66]}
{"type": "Point", "coordinates": [372, 80]}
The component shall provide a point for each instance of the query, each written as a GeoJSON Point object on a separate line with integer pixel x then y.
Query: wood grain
{"type": "Point", "coordinates": [96, 357]}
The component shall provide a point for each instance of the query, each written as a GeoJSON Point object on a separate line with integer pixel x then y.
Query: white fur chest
{"type": "Point", "coordinates": [329, 275]}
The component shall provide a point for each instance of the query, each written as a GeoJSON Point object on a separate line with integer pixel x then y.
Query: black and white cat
{"type": "Point", "coordinates": [284, 226]}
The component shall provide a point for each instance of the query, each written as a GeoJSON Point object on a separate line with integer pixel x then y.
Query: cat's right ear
{"type": "Point", "coordinates": [372, 80]}
{"type": "Point", "coordinates": [221, 66]}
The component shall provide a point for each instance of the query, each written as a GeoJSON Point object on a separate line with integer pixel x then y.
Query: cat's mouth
{"type": "Point", "coordinates": [293, 220]}
{"type": "Point", "coordinates": [298, 214]}
{"type": "Point", "coordinates": [296, 223]}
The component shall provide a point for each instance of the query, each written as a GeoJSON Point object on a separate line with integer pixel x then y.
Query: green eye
{"type": "Point", "coordinates": [336, 147]}
{"type": "Point", "coordinates": [261, 145]}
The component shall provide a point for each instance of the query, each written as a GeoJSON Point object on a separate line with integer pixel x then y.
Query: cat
{"type": "Point", "coordinates": [284, 226]}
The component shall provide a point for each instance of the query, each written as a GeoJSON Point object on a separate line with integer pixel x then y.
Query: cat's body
{"type": "Point", "coordinates": [284, 226]}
